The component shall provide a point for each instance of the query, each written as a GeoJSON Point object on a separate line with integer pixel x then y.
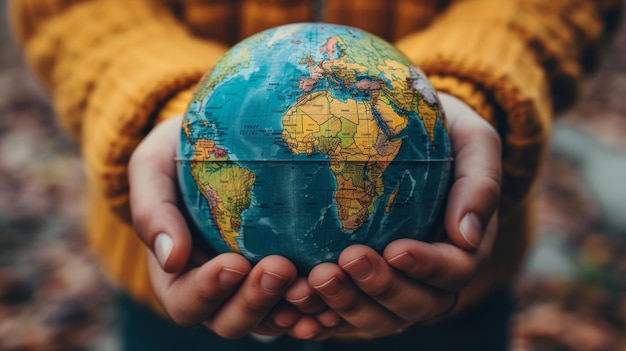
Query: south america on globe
{"type": "Point", "coordinates": [307, 138]}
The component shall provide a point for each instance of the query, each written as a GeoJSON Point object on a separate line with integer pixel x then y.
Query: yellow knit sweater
{"type": "Point", "coordinates": [114, 68]}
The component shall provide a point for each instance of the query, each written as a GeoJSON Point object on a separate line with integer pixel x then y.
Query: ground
{"type": "Point", "coordinates": [571, 295]}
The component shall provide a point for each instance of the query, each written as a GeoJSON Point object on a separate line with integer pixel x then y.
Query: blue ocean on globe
{"type": "Point", "coordinates": [307, 138]}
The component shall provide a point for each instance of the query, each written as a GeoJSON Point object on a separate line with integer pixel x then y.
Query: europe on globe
{"type": "Point", "coordinates": [310, 137]}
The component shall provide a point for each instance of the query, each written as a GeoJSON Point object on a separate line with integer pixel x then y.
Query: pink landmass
{"type": "Point", "coordinates": [329, 47]}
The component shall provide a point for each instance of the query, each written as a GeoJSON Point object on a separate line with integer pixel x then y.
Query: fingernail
{"type": "Point", "coordinates": [403, 261]}
{"type": "Point", "coordinates": [163, 245]}
{"type": "Point", "coordinates": [230, 277]}
{"type": "Point", "coordinates": [273, 282]}
{"type": "Point", "coordinates": [360, 268]}
{"type": "Point", "coordinates": [471, 229]}
{"type": "Point", "coordinates": [328, 318]}
{"type": "Point", "coordinates": [299, 301]}
{"type": "Point", "coordinates": [331, 288]}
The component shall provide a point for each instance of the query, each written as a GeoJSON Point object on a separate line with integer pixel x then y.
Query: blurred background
{"type": "Point", "coordinates": [571, 295]}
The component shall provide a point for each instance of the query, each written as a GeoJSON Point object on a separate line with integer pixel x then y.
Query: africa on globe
{"type": "Point", "coordinates": [307, 138]}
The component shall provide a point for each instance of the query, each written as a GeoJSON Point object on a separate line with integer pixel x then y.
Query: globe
{"type": "Point", "coordinates": [310, 137]}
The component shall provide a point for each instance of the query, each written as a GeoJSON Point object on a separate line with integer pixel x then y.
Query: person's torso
{"type": "Point", "coordinates": [232, 20]}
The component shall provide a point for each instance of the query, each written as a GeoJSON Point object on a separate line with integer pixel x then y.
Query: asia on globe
{"type": "Point", "coordinates": [307, 138]}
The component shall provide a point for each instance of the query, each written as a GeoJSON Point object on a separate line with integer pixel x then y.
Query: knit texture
{"type": "Point", "coordinates": [114, 68]}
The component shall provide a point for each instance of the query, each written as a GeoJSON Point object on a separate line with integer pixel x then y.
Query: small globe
{"type": "Point", "coordinates": [307, 138]}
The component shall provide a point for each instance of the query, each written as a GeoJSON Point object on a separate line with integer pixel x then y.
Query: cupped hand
{"type": "Point", "coordinates": [414, 281]}
{"type": "Point", "coordinates": [223, 292]}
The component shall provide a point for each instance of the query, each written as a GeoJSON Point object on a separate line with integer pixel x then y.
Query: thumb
{"type": "Point", "coordinates": [477, 180]}
{"type": "Point", "coordinates": [154, 197]}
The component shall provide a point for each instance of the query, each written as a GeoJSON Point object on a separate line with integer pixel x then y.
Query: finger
{"type": "Point", "coordinates": [350, 303]}
{"type": "Point", "coordinates": [441, 265]}
{"type": "Point", "coordinates": [329, 318]}
{"type": "Point", "coordinates": [284, 315]}
{"type": "Point", "coordinates": [475, 192]}
{"type": "Point", "coordinates": [262, 289]}
{"type": "Point", "coordinates": [309, 328]}
{"type": "Point", "coordinates": [279, 321]}
{"type": "Point", "coordinates": [306, 328]}
{"type": "Point", "coordinates": [305, 300]}
{"type": "Point", "coordinates": [302, 297]}
{"type": "Point", "coordinates": [153, 197]}
{"type": "Point", "coordinates": [194, 296]}
{"type": "Point", "coordinates": [405, 298]}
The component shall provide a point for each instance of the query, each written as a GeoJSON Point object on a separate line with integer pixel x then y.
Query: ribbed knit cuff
{"type": "Point", "coordinates": [111, 67]}
{"type": "Point", "coordinates": [492, 66]}
{"type": "Point", "coordinates": [469, 93]}
{"type": "Point", "coordinates": [128, 99]}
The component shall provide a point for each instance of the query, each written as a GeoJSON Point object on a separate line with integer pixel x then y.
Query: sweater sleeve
{"type": "Point", "coordinates": [113, 68]}
{"type": "Point", "coordinates": [515, 62]}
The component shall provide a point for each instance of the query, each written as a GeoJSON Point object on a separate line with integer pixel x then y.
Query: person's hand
{"type": "Point", "coordinates": [224, 292]}
{"type": "Point", "coordinates": [413, 281]}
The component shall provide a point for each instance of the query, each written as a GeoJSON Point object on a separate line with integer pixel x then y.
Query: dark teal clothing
{"type": "Point", "coordinates": [485, 328]}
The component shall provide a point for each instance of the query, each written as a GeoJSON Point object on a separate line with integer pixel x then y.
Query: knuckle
{"type": "Point", "coordinates": [348, 307]}
{"type": "Point", "coordinates": [492, 134]}
{"type": "Point", "coordinates": [469, 269]}
{"type": "Point", "coordinates": [180, 317]}
{"type": "Point", "coordinates": [210, 297]}
{"type": "Point", "coordinates": [137, 158]}
{"type": "Point", "coordinates": [141, 219]}
{"type": "Point", "coordinates": [436, 268]}
{"type": "Point", "coordinates": [431, 270]}
{"type": "Point", "coordinates": [141, 214]}
{"type": "Point", "coordinates": [491, 185]}
{"type": "Point", "coordinates": [254, 306]}
{"type": "Point", "coordinates": [384, 291]}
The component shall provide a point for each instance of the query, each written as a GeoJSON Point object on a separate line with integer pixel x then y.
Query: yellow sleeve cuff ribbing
{"type": "Point", "coordinates": [130, 97]}
{"type": "Point", "coordinates": [110, 77]}
{"type": "Point", "coordinates": [495, 71]}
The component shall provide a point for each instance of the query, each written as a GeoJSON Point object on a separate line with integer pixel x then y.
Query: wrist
{"type": "Point", "coordinates": [467, 92]}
